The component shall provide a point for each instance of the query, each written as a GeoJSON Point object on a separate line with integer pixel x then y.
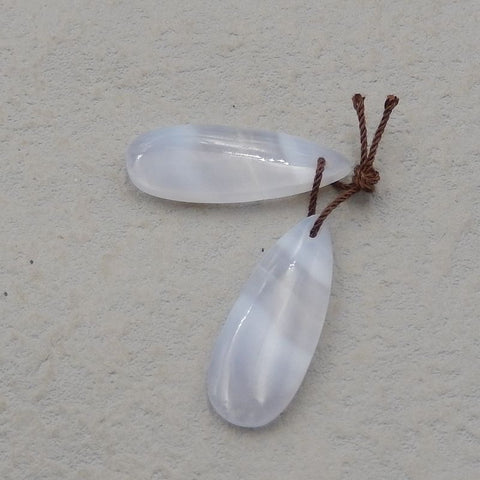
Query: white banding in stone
{"type": "Point", "coordinates": [267, 342]}
{"type": "Point", "coordinates": [215, 164]}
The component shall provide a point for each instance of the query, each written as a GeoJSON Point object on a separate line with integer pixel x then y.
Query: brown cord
{"type": "Point", "coordinates": [312, 205]}
{"type": "Point", "coordinates": [364, 175]}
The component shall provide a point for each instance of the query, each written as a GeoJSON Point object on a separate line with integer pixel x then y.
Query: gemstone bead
{"type": "Point", "coordinates": [218, 164]}
{"type": "Point", "coordinates": [267, 342]}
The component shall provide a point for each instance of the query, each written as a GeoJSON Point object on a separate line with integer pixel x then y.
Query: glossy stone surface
{"type": "Point", "coordinates": [214, 164]}
{"type": "Point", "coordinates": [267, 342]}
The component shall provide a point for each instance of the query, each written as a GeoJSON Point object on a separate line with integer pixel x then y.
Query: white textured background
{"type": "Point", "coordinates": [105, 338]}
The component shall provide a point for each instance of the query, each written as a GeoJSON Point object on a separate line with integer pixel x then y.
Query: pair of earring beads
{"type": "Point", "coordinates": [270, 335]}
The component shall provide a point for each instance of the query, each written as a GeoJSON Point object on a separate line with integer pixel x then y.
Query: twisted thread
{"type": "Point", "coordinates": [365, 177]}
{"type": "Point", "coordinates": [312, 205]}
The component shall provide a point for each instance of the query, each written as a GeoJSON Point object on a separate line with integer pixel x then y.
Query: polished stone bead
{"type": "Point", "coordinates": [267, 342]}
{"type": "Point", "coordinates": [214, 164]}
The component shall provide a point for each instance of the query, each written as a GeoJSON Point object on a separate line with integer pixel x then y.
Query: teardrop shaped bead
{"type": "Point", "coordinates": [267, 342]}
{"type": "Point", "coordinates": [215, 164]}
